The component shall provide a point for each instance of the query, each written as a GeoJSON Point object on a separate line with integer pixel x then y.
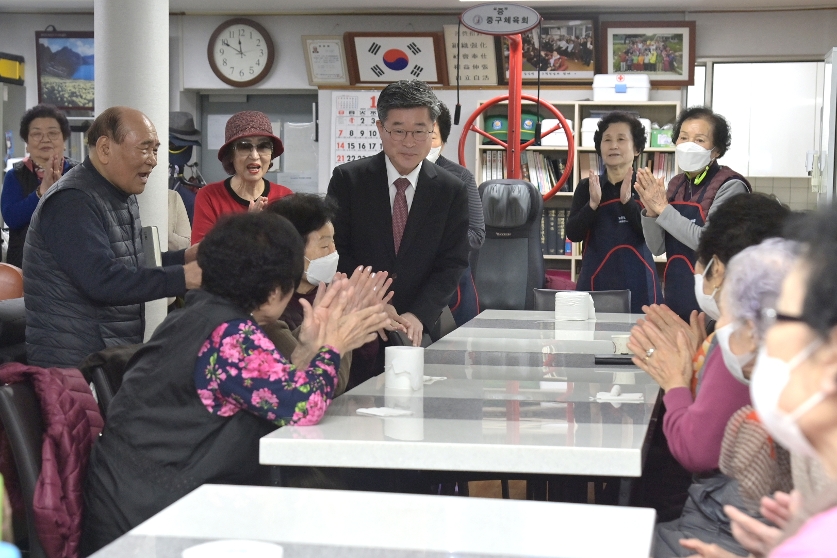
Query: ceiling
{"type": "Point", "coordinates": [254, 7]}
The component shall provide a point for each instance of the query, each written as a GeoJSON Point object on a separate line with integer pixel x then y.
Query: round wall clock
{"type": "Point", "coordinates": [240, 52]}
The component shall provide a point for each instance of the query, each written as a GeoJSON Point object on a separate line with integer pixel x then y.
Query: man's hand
{"type": "Point", "coordinates": [191, 254]}
{"type": "Point", "coordinates": [414, 328]}
{"type": "Point", "coordinates": [193, 274]}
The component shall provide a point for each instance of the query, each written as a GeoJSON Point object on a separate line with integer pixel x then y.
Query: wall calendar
{"type": "Point", "coordinates": [354, 134]}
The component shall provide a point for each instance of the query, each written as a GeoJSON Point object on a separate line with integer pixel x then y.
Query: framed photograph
{"type": "Point", "coordinates": [65, 69]}
{"type": "Point", "coordinates": [478, 54]}
{"type": "Point", "coordinates": [563, 47]}
{"type": "Point", "coordinates": [665, 50]}
{"type": "Point", "coordinates": [381, 58]}
{"type": "Point", "coordinates": [325, 60]}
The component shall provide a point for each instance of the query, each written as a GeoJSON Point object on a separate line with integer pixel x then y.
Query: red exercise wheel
{"type": "Point", "coordinates": [513, 151]}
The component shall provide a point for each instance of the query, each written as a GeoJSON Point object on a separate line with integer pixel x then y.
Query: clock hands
{"type": "Point", "coordinates": [227, 44]}
{"type": "Point", "coordinates": [240, 49]}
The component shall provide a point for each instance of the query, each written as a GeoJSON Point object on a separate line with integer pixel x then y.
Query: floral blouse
{"type": "Point", "coordinates": [239, 368]}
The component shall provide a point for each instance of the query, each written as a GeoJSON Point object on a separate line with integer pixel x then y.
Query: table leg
{"type": "Point", "coordinates": [625, 486]}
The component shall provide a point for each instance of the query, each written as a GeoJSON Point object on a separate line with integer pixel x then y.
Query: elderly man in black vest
{"type": "Point", "coordinates": [83, 267]}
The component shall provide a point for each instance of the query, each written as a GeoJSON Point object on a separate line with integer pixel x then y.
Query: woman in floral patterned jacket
{"type": "Point", "coordinates": [209, 384]}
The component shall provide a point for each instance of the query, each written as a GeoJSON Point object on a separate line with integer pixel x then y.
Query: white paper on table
{"type": "Point", "coordinates": [429, 380]}
{"type": "Point", "coordinates": [606, 396]}
{"type": "Point", "coordinates": [384, 412]}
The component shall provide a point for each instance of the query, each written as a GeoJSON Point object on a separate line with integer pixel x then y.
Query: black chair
{"type": "Point", "coordinates": [20, 412]}
{"type": "Point", "coordinates": [105, 370]}
{"type": "Point", "coordinates": [12, 330]}
{"type": "Point", "coordinates": [510, 263]}
{"type": "Point", "coordinates": [618, 302]}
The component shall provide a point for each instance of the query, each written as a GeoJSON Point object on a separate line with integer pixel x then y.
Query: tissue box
{"type": "Point", "coordinates": [557, 138]}
{"type": "Point", "coordinates": [588, 129]}
{"type": "Point", "coordinates": [621, 87]}
{"type": "Point", "coordinates": [661, 138]}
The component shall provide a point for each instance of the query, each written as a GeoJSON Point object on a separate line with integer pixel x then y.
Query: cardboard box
{"type": "Point", "coordinates": [662, 138]}
{"type": "Point", "coordinates": [621, 87]}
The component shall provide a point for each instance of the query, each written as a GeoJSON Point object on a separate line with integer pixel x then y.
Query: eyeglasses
{"type": "Point", "coordinates": [52, 135]}
{"type": "Point", "coordinates": [769, 317]}
{"type": "Point", "coordinates": [245, 147]}
{"type": "Point", "coordinates": [400, 135]}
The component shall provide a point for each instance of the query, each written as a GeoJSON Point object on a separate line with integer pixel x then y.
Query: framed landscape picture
{"type": "Point", "coordinates": [563, 47]}
{"type": "Point", "coordinates": [665, 50]}
{"type": "Point", "coordinates": [65, 69]}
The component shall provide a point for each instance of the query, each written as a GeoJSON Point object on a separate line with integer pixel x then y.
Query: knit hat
{"type": "Point", "coordinates": [245, 124]}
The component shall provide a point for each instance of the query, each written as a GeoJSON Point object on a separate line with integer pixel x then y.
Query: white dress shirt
{"type": "Point", "coordinates": [393, 175]}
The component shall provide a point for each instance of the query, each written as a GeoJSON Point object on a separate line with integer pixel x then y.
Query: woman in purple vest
{"type": "Point", "coordinates": [675, 216]}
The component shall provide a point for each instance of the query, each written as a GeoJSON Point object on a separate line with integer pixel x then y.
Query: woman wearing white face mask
{"type": "Point", "coordinates": [701, 394]}
{"type": "Point", "coordinates": [794, 390]}
{"type": "Point", "coordinates": [752, 281]}
{"type": "Point", "coordinates": [676, 215]}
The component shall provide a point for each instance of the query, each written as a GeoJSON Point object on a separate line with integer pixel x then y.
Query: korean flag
{"type": "Point", "coordinates": [387, 59]}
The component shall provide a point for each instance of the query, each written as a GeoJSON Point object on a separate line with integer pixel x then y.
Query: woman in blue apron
{"type": "Point", "coordinates": [675, 216]}
{"type": "Point", "coordinates": [605, 215]}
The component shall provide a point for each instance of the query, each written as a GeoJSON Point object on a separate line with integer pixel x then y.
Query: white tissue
{"type": "Point", "coordinates": [574, 305]}
{"type": "Point", "coordinates": [384, 412]}
{"type": "Point", "coordinates": [609, 396]}
{"type": "Point", "coordinates": [428, 380]}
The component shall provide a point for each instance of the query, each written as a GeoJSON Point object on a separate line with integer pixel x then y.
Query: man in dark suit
{"type": "Point", "coordinates": [402, 214]}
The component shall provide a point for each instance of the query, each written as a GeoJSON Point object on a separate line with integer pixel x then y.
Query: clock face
{"type": "Point", "coordinates": [240, 52]}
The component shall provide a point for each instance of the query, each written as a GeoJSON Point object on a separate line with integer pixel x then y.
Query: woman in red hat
{"type": "Point", "coordinates": [247, 154]}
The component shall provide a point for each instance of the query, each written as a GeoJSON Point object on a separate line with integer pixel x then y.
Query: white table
{"type": "Point", "coordinates": [317, 523]}
{"type": "Point", "coordinates": [505, 408]}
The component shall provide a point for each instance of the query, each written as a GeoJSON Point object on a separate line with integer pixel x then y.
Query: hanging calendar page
{"type": "Point", "coordinates": [354, 134]}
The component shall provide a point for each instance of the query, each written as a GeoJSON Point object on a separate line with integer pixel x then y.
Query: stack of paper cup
{"type": "Point", "coordinates": [404, 368]}
{"type": "Point", "coordinates": [574, 305]}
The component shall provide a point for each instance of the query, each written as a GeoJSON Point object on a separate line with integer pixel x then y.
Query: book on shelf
{"type": "Point", "coordinates": [660, 163]}
{"type": "Point", "coordinates": [553, 231]}
{"type": "Point", "coordinates": [535, 167]}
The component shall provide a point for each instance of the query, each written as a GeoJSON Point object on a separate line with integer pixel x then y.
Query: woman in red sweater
{"type": "Point", "coordinates": [247, 154]}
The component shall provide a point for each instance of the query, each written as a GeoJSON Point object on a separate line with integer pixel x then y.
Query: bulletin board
{"type": "Point", "coordinates": [354, 134]}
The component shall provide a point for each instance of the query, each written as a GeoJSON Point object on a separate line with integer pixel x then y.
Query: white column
{"type": "Point", "coordinates": [132, 69]}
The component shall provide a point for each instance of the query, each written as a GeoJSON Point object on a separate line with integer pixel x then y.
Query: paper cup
{"type": "Point", "coordinates": [410, 428]}
{"type": "Point", "coordinates": [404, 368]}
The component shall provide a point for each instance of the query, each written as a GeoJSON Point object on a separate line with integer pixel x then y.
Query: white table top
{"type": "Point", "coordinates": [500, 410]}
{"type": "Point", "coordinates": [311, 523]}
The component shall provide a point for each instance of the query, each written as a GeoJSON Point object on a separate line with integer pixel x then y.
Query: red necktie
{"type": "Point", "coordinates": [399, 211]}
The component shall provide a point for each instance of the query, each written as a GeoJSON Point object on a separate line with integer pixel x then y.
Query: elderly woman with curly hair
{"type": "Point", "coordinates": [675, 216]}
{"type": "Point", "coordinates": [44, 128]}
{"type": "Point", "coordinates": [209, 384]}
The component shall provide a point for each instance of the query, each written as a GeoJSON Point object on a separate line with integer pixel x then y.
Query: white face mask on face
{"type": "Point", "coordinates": [770, 376]}
{"type": "Point", "coordinates": [734, 363]}
{"type": "Point", "coordinates": [706, 302]}
{"type": "Point", "coordinates": [434, 154]}
{"type": "Point", "coordinates": [692, 157]}
{"type": "Point", "coordinates": [322, 270]}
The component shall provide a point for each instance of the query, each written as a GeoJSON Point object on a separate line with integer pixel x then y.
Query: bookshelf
{"type": "Point", "coordinates": [547, 160]}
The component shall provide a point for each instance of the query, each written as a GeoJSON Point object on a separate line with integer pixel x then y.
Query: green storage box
{"type": "Point", "coordinates": [661, 138]}
{"type": "Point", "coordinates": [497, 126]}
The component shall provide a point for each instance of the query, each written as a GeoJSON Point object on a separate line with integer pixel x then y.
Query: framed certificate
{"type": "Point", "coordinates": [380, 58]}
{"type": "Point", "coordinates": [325, 60]}
{"type": "Point", "coordinates": [478, 56]}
